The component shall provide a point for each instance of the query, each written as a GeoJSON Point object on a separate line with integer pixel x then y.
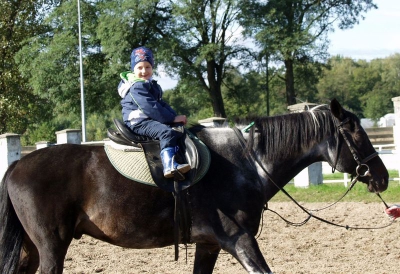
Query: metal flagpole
{"type": "Point", "coordinates": [81, 75]}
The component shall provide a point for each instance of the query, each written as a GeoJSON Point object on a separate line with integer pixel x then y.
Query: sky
{"type": "Point", "coordinates": [377, 36]}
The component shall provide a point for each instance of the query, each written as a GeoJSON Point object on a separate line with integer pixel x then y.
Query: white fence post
{"type": "Point", "coordinates": [69, 136]}
{"type": "Point", "coordinates": [10, 151]}
{"type": "Point", "coordinates": [310, 175]}
{"type": "Point", "coordinates": [396, 128]}
{"type": "Point", "coordinates": [213, 122]}
{"type": "Point", "coordinates": [42, 144]}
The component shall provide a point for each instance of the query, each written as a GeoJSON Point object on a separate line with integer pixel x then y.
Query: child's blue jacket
{"type": "Point", "coordinates": [143, 100]}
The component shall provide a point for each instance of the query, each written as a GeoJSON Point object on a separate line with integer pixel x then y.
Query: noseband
{"type": "Point", "coordinates": [362, 169]}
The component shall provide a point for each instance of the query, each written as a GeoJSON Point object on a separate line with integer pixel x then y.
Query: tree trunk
{"type": "Point", "coordinates": [215, 90]}
{"type": "Point", "coordinates": [289, 81]}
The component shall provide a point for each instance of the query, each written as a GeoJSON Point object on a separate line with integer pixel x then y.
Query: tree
{"type": "Point", "coordinates": [126, 24]}
{"type": "Point", "coordinates": [377, 102]}
{"type": "Point", "coordinates": [296, 30]}
{"type": "Point", "coordinates": [364, 87]}
{"type": "Point", "coordinates": [245, 94]}
{"type": "Point", "coordinates": [346, 80]}
{"type": "Point", "coordinates": [201, 44]}
{"type": "Point", "coordinates": [336, 81]}
{"type": "Point", "coordinates": [195, 40]}
{"type": "Point", "coordinates": [50, 60]}
{"type": "Point", "coordinates": [18, 105]}
{"type": "Point", "coordinates": [189, 100]}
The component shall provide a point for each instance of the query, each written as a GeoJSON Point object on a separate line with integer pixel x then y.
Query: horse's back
{"type": "Point", "coordinates": [51, 173]}
{"type": "Point", "coordinates": [57, 159]}
{"type": "Point", "coordinates": [45, 183]}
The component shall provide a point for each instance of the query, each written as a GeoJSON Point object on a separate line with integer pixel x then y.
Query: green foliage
{"type": "Point", "coordinates": [308, 75]}
{"type": "Point", "coordinates": [190, 100]}
{"type": "Point", "coordinates": [98, 123]}
{"type": "Point", "coordinates": [51, 61]}
{"type": "Point", "coordinates": [127, 24]}
{"type": "Point", "coordinates": [18, 106]}
{"type": "Point", "coordinates": [338, 82]}
{"type": "Point", "coordinates": [201, 44]}
{"type": "Point", "coordinates": [45, 130]}
{"type": "Point", "coordinates": [198, 42]}
{"type": "Point", "coordinates": [96, 127]}
{"type": "Point", "coordinates": [39, 132]}
{"type": "Point", "coordinates": [378, 100]}
{"type": "Point", "coordinates": [366, 88]}
{"type": "Point", "coordinates": [295, 31]}
{"type": "Point", "coordinates": [244, 94]}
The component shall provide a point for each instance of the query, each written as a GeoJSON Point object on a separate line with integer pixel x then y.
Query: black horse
{"type": "Point", "coordinates": [58, 193]}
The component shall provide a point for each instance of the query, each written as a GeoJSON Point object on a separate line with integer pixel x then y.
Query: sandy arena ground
{"type": "Point", "coordinates": [315, 247]}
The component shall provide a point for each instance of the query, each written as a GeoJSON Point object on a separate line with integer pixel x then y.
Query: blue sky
{"type": "Point", "coordinates": [377, 36]}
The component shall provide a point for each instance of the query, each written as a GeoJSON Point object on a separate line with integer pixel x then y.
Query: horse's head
{"type": "Point", "coordinates": [353, 153]}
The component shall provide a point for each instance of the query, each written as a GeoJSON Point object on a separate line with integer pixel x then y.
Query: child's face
{"type": "Point", "coordinates": [143, 70]}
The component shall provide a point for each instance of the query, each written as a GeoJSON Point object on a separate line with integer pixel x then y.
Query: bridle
{"type": "Point", "coordinates": [362, 170]}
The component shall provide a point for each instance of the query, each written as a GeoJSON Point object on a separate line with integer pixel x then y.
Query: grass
{"type": "Point", "coordinates": [333, 191]}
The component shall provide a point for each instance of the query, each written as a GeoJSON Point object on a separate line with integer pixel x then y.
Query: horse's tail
{"type": "Point", "coordinates": [11, 230]}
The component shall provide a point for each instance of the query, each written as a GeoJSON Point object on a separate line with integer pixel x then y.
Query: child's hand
{"type": "Point", "coordinates": [393, 212]}
{"type": "Point", "coordinates": [180, 119]}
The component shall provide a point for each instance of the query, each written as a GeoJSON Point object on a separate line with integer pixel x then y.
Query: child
{"type": "Point", "coordinates": [145, 113]}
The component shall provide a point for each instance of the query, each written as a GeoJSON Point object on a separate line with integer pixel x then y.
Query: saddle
{"type": "Point", "coordinates": [190, 147]}
{"type": "Point", "coordinates": [188, 153]}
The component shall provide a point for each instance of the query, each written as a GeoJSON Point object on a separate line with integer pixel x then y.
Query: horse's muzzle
{"type": "Point", "coordinates": [378, 185]}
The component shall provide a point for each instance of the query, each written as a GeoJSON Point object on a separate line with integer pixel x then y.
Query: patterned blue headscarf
{"type": "Point", "coordinates": [141, 54]}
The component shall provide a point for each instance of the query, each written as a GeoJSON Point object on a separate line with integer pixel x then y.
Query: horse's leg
{"type": "Point", "coordinates": [49, 233]}
{"type": "Point", "coordinates": [246, 250]}
{"type": "Point", "coordinates": [205, 258]}
{"type": "Point", "coordinates": [52, 254]}
{"type": "Point", "coordinates": [29, 261]}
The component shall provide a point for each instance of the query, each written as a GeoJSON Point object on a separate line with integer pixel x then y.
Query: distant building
{"type": "Point", "coordinates": [387, 121]}
{"type": "Point", "coordinates": [367, 123]}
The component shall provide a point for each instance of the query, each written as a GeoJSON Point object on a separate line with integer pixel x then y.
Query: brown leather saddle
{"type": "Point", "coordinates": [187, 154]}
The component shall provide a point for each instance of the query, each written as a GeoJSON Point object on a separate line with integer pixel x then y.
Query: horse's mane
{"type": "Point", "coordinates": [289, 134]}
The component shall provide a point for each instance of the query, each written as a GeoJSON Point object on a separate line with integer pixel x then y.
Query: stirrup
{"type": "Point", "coordinates": [180, 168]}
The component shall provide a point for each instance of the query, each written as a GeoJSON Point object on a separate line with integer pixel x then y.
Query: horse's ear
{"type": "Point", "coordinates": [337, 110]}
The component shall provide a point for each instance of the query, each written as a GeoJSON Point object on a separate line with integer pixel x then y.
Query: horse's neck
{"type": "Point", "coordinates": [225, 143]}
{"type": "Point", "coordinates": [280, 172]}
{"type": "Point", "coordinates": [284, 164]}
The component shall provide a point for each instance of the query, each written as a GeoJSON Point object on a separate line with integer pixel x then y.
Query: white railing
{"type": "Point", "coordinates": [380, 147]}
{"type": "Point", "coordinates": [388, 156]}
